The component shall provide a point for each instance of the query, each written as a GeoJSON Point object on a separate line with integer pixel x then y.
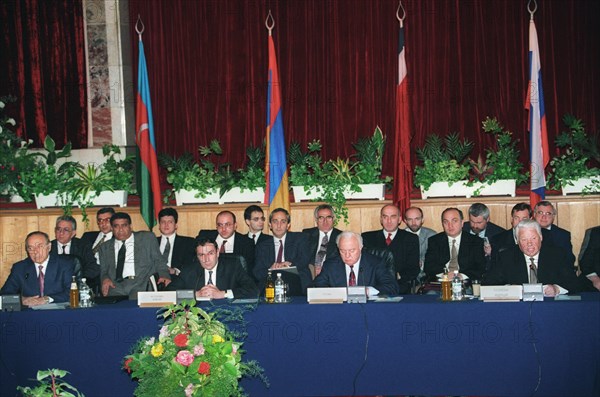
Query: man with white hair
{"type": "Point", "coordinates": [532, 262]}
{"type": "Point", "coordinates": [354, 267]}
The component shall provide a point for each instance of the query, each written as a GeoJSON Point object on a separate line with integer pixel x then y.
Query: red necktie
{"type": "Point", "coordinates": [222, 249]}
{"type": "Point", "coordinates": [280, 252]}
{"type": "Point", "coordinates": [388, 240]}
{"type": "Point", "coordinates": [41, 280]}
{"type": "Point", "coordinates": [352, 278]}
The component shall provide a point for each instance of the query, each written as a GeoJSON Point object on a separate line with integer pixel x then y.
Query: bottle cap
{"type": "Point", "coordinates": [456, 272]}
{"type": "Point", "coordinates": [83, 280]}
{"type": "Point", "coordinates": [278, 274]}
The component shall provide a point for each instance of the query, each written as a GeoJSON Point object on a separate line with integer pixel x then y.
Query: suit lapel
{"type": "Point", "coordinates": [31, 277]}
{"type": "Point", "coordinates": [521, 269]}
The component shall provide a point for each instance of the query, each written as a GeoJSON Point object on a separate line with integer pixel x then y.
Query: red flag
{"type": "Point", "coordinates": [402, 166]}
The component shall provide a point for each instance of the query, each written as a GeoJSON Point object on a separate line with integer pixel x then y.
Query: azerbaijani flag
{"type": "Point", "coordinates": [148, 184]}
{"type": "Point", "coordinates": [538, 133]}
{"type": "Point", "coordinates": [276, 174]}
{"type": "Point", "coordinates": [402, 166]}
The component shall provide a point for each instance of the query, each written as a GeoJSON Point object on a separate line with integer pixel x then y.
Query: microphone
{"type": "Point", "coordinates": [533, 268]}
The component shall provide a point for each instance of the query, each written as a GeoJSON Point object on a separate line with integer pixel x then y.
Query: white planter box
{"type": "Point", "coordinates": [446, 189]}
{"type": "Point", "coordinates": [579, 185]}
{"type": "Point", "coordinates": [188, 197]}
{"type": "Point", "coordinates": [235, 195]}
{"type": "Point", "coordinates": [369, 191]}
{"type": "Point", "coordinates": [503, 187]}
{"type": "Point", "coordinates": [108, 198]}
{"type": "Point", "coordinates": [48, 200]}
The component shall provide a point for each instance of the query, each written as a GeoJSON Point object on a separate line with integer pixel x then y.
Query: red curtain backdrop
{"type": "Point", "coordinates": [207, 62]}
{"type": "Point", "coordinates": [42, 64]}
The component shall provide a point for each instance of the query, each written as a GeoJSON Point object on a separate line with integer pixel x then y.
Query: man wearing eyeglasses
{"type": "Point", "coordinates": [254, 217]}
{"type": "Point", "coordinates": [403, 245]}
{"type": "Point", "coordinates": [94, 239]}
{"type": "Point", "coordinates": [544, 214]}
{"type": "Point", "coordinates": [66, 243]}
{"type": "Point", "coordinates": [353, 267]}
{"type": "Point", "coordinates": [215, 276]}
{"type": "Point", "coordinates": [229, 240]}
{"type": "Point", "coordinates": [43, 277]}
{"type": "Point", "coordinates": [321, 239]}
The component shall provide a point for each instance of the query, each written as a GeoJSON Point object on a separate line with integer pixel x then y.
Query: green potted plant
{"type": "Point", "coordinates": [501, 171]}
{"type": "Point", "coordinates": [47, 180]}
{"type": "Point", "coordinates": [50, 385]}
{"type": "Point", "coordinates": [445, 169]}
{"type": "Point", "coordinates": [246, 184]}
{"type": "Point", "coordinates": [572, 171]}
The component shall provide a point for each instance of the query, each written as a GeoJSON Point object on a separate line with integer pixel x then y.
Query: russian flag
{"type": "Point", "coordinates": [148, 182]}
{"type": "Point", "coordinates": [277, 190]}
{"type": "Point", "coordinates": [538, 133]}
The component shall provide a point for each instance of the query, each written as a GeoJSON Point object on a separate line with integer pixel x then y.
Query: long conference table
{"type": "Point", "coordinates": [418, 346]}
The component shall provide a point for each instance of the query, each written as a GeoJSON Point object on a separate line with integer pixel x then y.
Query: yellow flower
{"type": "Point", "coordinates": [217, 339]}
{"type": "Point", "coordinates": [157, 350]}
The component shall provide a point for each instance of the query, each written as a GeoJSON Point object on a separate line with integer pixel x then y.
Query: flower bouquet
{"type": "Point", "coordinates": [194, 355]}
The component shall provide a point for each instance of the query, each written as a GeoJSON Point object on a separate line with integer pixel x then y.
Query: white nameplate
{"type": "Point", "coordinates": [156, 299]}
{"type": "Point", "coordinates": [533, 292]}
{"type": "Point", "coordinates": [327, 295]}
{"type": "Point", "coordinates": [501, 293]}
{"type": "Point", "coordinates": [357, 295]}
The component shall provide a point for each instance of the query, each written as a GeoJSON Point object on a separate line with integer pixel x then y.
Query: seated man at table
{"type": "Point", "coordinates": [214, 277]}
{"type": "Point", "coordinates": [321, 239]}
{"type": "Point", "coordinates": [44, 277]}
{"type": "Point", "coordinates": [590, 261]}
{"type": "Point", "coordinates": [129, 259]}
{"type": "Point", "coordinates": [354, 267]}
{"type": "Point", "coordinates": [454, 249]}
{"type": "Point", "coordinates": [284, 250]}
{"type": "Point", "coordinates": [533, 262]}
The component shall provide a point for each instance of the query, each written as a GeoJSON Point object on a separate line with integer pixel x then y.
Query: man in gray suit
{"type": "Point", "coordinates": [413, 217]}
{"type": "Point", "coordinates": [129, 259]}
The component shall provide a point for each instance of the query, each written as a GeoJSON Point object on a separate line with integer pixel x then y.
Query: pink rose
{"type": "Point", "coordinates": [184, 357]}
{"type": "Point", "coordinates": [199, 350]}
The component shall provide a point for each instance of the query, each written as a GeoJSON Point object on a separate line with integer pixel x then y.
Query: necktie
{"type": "Point", "coordinates": [388, 240]}
{"type": "Point", "coordinates": [64, 249]}
{"type": "Point", "coordinates": [41, 279]}
{"type": "Point", "coordinates": [352, 278]}
{"type": "Point", "coordinates": [97, 246]}
{"type": "Point", "coordinates": [320, 257]}
{"type": "Point", "coordinates": [453, 258]}
{"type": "Point", "coordinates": [254, 238]}
{"type": "Point", "coordinates": [167, 250]}
{"type": "Point", "coordinates": [121, 262]}
{"type": "Point", "coordinates": [210, 282]}
{"type": "Point", "coordinates": [280, 252]}
{"type": "Point", "coordinates": [532, 271]}
{"type": "Point", "coordinates": [222, 249]}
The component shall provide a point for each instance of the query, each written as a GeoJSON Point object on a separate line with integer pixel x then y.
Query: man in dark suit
{"type": "Point", "coordinates": [508, 238]}
{"type": "Point", "coordinates": [590, 260]}
{"type": "Point", "coordinates": [176, 249]}
{"type": "Point", "coordinates": [480, 225]}
{"type": "Point", "coordinates": [453, 249]}
{"type": "Point", "coordinates": [544, 214]}
{"type": "Point", "coordinates": [129, 259]}
{"type": "Point", "coordinates": [403, 245]}
{"type": "Point", "coordinates": [533, 262]}
{"type": "Point", "coordinates": [43, 277]}
{"type": "Point", "coordinates": [94, 239]}
{"type": "Point", "coordinates": [214, 277]}
{"type": "Point", "coordinates": [283, 250]}
{"type": "Point", "coordinates": [321, 239]}
{"type": "Point", "coordinates": [254, 217]}
{"type": "Point", "coordinates": [66, 243]}
{"type": "Point", "coordinates": [229, 240]}
{"type": "Point", "coordinates": [354, 267]}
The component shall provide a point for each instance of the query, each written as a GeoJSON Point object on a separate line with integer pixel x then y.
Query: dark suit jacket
{"type": "Point", "coordinates": [590, 258]}
{"type": "Point", "coordinates": [561, 238]}
{"type": "Point", "coordinates": [57, 279]}
{"type": "Point", "coordinates": [406, 252]}
{"type": "Point", "coordinates": [184, 250]}
{"type": "Point", "coordinates": [243, 246]}
{"type": "Point", "coordinates": [295, 251]}
{"type": "Point", "coordinates": [471, 259]}
{"type": "Point", "coordinates": [230, 275]}
{"type": "Point", "coordinates": [82, 251]}
{"type": "Point", "coordinates": [372, 272]}
{"type": "Point", "coordinates": [261, 237]}
{"type": "Point", "coordinates": [491, 229]}
{"type": "Point", "coordinates": [148, 260]}
{"type": "Point", "coordinates": [89, 238]}
{"type": "Point", "coordinates": [314, 242]}
{"type": "Point", "coordinates": [555, 266]}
